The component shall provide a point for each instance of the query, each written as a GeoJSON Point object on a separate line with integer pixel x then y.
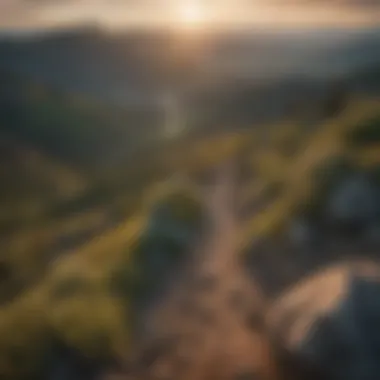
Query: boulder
{"type": "Point", "coordinates": [330, 322]}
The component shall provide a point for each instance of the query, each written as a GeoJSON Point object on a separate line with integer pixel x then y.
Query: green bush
{"type": "Point", "coordinates": [365, 133]}
{"type": "Point", "coordinates": [325, 178]}
{"type": "Point", "coordinates": [174, 216]}
{"type": "Point", "coordinates": [332, 171]}
{"type": "Point", "coordinates": [177, 204]}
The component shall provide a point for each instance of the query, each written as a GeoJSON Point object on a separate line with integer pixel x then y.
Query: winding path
{"type": "Point", "coordinates": [214, 311]}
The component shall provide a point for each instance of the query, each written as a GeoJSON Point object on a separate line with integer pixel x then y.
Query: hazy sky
{"type": "Point", "coordinates": [190, 13]}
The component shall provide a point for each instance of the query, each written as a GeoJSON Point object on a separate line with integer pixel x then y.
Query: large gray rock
{"type": "Point", "coordinates": [330, 322]}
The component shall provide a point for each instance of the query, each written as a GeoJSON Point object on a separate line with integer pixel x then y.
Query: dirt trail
{"type": "Point", "coordinates": [214, 312]}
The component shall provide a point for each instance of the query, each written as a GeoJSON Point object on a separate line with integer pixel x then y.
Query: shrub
{"type": "Point", "coordinates": [365, 133]}
{"type": "Point", "coordinates": [324, 179]}
{"type": "Point", "coordinates": [174, 217]}
{"type": "Point", "coordinates": [331, 172]}
{"type": "Point", "coordinates": [176, 203]}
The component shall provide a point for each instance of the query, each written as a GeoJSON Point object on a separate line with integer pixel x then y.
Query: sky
{"type": "Point", "coordinates": [25, 14]}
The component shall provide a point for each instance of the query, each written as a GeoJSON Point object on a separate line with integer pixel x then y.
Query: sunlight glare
{"type": "Point", "coordinates": [191, 14]}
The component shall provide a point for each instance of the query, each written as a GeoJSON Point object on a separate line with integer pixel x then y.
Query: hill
{"type": "Point", "coordinates": [75, 230]}
{"type": "Point", "coordinates": [246, 78]}
{"type": "Point", "coordinates": [70, 126]}
{"type": "Point", "coordinates": [68, 211]}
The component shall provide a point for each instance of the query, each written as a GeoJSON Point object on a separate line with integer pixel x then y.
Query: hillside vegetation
{"type": "Point", "coordinates": [74, 229]}
{"type": "Point", "coordinates": [85, 222]}
{"type": "Point", "coordinates": [352, 136]}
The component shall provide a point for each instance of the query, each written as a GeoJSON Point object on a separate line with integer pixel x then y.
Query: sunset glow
{"type": "Point", "coordinates": [185, 14]}
{"type": "Point", "coordinates": [191, 14]}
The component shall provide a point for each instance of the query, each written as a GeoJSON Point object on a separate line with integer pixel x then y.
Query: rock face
{"type": "Point", "coordinates": [330, 323]}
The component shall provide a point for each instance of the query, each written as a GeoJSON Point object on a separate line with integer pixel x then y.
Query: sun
{"type": "Point", "coordinates": [191, 14]}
